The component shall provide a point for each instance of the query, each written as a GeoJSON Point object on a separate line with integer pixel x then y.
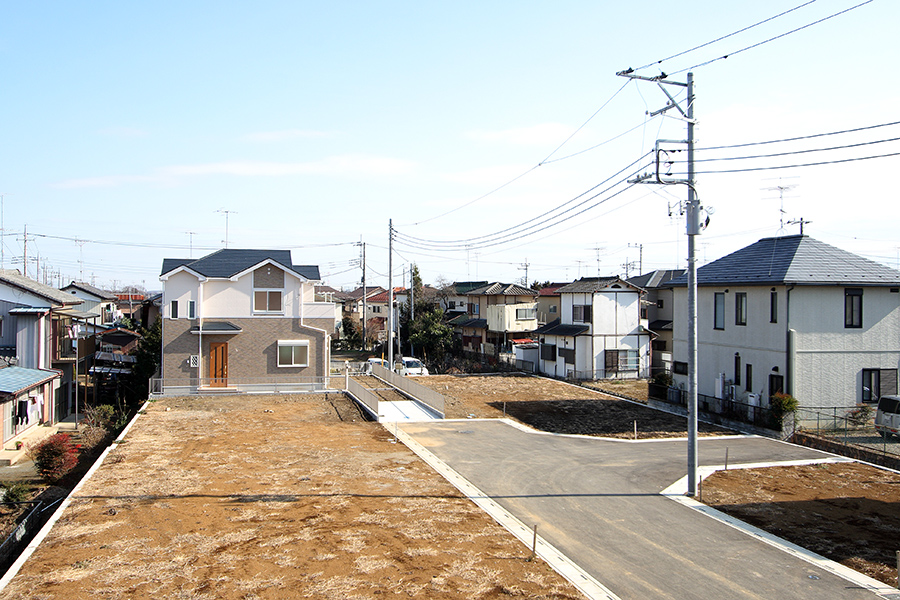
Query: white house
{"type": "Point", "coordinates": [599, 333]}
{"type": "Point", "coordinates": [94, 300]}
{"type": "Point", "coordinates": [793, 314]}
{"type": "Point", "coordinates": [243, 319]}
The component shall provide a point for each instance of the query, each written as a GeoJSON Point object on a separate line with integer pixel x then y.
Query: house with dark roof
{"type": "Point", "coordinates": [454, 299]}
{"type": "Point", "coordinates": [797, 315]}
{"type": "Point", "coordinates": [657, 314]}
{"type": "Point", "coordinates": [496, 315]}
{"type": "Point", "coordinates": [598, 334]}
{"type": "Point", "coordinates": [243, 319]}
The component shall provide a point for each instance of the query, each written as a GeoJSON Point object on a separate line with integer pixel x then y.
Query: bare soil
{"type": "Point", "coordinates": [247, 497]}
{"type": "Point", "coordinates": [848, 512]}
{"type": "Point", "coordinates": [556, 406]}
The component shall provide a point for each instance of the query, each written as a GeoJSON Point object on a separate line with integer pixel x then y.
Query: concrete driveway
{"type": "Point", "coordinates": [598, 502]}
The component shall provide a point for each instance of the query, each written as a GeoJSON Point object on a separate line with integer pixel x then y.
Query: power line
{"type": "Point", "coordinates": [814, 164]}
{"type": "Point", "coordinates": [724, 37]}
{"type": "Point", "coordinates": [802, 137]}
{"type": "Point", "coordinates": [772, 39]}
{"type": "Point", "coordinates": [807, 151]}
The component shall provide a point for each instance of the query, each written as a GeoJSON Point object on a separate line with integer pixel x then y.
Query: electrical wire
{"type": "Point", "coordinates": [802, 137]}
{"type": "Point", "coordinates": [796, 166]}
{"type": "Point", "coordinates": [807, 151]}
{"type": "Point", "coordinates": [725, 37]}
{"type": "Point", "coordinates": [772, 39]}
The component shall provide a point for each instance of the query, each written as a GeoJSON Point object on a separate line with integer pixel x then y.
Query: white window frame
{"type": "Point", "coordinates": [292, 344]}
{"type": "Point", "coordinates": [266, 311]}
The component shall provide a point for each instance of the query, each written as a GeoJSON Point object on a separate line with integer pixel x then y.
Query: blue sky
{"type": "Point", "coordinates": [315, 123]}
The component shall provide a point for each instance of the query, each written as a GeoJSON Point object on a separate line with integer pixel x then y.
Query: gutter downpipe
{"type": "Point", "coordinates": [200, 336]}
{"type": "Point", "coordinates": [790, 348]}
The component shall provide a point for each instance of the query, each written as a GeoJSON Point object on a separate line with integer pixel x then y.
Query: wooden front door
{"type": "Point", "coordinates": [218, 364]}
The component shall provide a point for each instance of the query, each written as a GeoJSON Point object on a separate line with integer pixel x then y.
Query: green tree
{"type": "Point", "coordinates": [351, 334]}
{"type": "Point", "coordinates": [147, 357]}
{"type": "Point", "coordinates": [421, 321]}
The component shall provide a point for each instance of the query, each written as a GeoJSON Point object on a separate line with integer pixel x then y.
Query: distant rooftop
{"type": "Point", "coordinates": [231, 261]}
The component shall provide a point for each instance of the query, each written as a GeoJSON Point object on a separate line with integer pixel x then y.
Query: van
{"type": "Point", "coordinates": [887, 417]}
{"type": "Point", "coordinates": [412, 367]}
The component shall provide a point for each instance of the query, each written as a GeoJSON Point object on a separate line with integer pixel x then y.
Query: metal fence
{"type": "Point", "coordinates": [421, 393]}
{"type": "Point", "coordinates": [247, 385]}
{"type": "Point", "coordinates": [849, 425]}
{"type": "Point", "coordinates": [12, 545]}
{"type": "Point", "coordinates": [736, 411]}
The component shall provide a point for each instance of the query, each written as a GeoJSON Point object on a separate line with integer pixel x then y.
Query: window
{"type": "Point", "coordinates": [293, 353]}
{"type": "Point", "coordinates": [617, 361]}
{"type": "Point", "coordinates": [644, 312]}
{"type": "Point", "coordinates": [737, 368]}
{"type": "Point", "coordinates": [524, 314]}
{"type": "Point", "coordinates": [719, 311]}
{"type": "Point", "coordinates": [660, 303]}
{"type": "Point", "coordinates": [659, 345]}
{"type": "Point", "coordinates": [773, 306]}
{"type": "Point", "coordinates": [452, 304]}
{"type": "Point", "coordinates": [776, 384]}
{"type": "Point", "coordinates": [553, 308]}
{"type": "Point", "coordinates": [267, 301]}
{"type": "Point", "coordinates": [548, 351]}
{"type": "Point", "coordinates": [173, 309]}
{"type": "Point", "coordinates": [581, 313]}
{"type": "Point", "coordinates": [853, 308]}
{"type": "Point", "coordinates": [877, 383]}
{"type": "Point", "coordinates": [740, 308]}
{"type": "Point", "coordinates": [567, 354]}
{"type": "Point", "coordinates": [680, 368]}
{"type": "Point", "coordinates": [192, 309]}
{"type": "Point", "coordinates": [376, 309]}
{"type": "Point", "coordinates": [748, 384]}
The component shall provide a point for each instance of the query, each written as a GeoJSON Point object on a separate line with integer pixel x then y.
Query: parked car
{"type": "Point", "coordinates": [887, 417]}
{"type": "Point", "coordinates": [367, 366]}
{"type": "Point", "coordinates": [412, 367]}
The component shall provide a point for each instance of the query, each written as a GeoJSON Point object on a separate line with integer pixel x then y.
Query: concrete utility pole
{"type": "Point", "coordinates": [525, 266]}
{"type": "Point", "coordinates": [365, 299]}
{"type": "Point", "coordinates": [390, 294]}
{"type": "Point", "coordinates": [694, 227]}
{"type": "Point", "coordinates": [640, 262]}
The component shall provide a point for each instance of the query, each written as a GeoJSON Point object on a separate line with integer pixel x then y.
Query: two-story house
{"type": "Point", "coordinates": [548, 303]}
{"type": "Point", "coordinates": [243, 319]}
{"type": "Point", "coordinates": [95, 300]}
{"type": "Point", "coordinates": [658, 315]}
{"type": "Point", "coordinates": [797, 315]}
{"type": "Point", "coordinates": [496, 314]}
{"type": "Point", "coordinates": [599, 333]}
{"type": "Point", "coordinates": [454, 299]}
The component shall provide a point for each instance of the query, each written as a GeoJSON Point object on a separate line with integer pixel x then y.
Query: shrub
{"type": "Point", "coordinates": [99, 416]}
{"type": "Point", "coordinates": [54, 457]}
{"type": "Point", "coordinates": [16, 491]}
{"type": "Point", "coordinates": [662, 378]}
{"type": "Point", "coordinates": [92, 436]}
{"type": "Point", "coordinates": [861, 414]}
{"type": "Point", "coordinates": [782, 404]}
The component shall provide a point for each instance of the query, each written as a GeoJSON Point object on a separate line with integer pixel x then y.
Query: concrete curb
{"type": "Point", "coordinates": [678, 490]}
{"type": "Point", "coordinates": [586, 584]}
{"type": "Point", "coordinates": [45, 530]}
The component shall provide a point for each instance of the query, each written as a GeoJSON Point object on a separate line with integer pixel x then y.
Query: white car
{"type": "Point", "coordinates": [412, 367]}
{"type": "Point", "coordinates": [367, 366]}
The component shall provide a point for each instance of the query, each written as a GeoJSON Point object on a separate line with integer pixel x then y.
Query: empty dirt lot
{"type": "Point", "coordinates": [248, 497]}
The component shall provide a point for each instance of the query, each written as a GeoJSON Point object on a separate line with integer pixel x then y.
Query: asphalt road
{"type": "Point", "coordinates": [598, 501]}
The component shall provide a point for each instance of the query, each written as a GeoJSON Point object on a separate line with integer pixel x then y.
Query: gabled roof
{"type": "Point", "coordinates": [589, 285]}
{"type": "Point", "coordinates": [551, 290]}
{"type": "Point", "coordinates": [325, 290]}
{"type": "Point", "coordinates": [461, 288]}
{"type": "Point", "coordinates": [89, 289]}
{"type": "Point", "coordinates": [54, 296]}
{"type": "Point", "coordinates": [655, 279]}
{"type": "Point", "coordinates": [369, 291]}
{"type": "Point", "coordinates": [502, 289]}
{"type": "Point", "coordinates": [228, 262]}
{"type": "Point", "coordinates": [793, 260]}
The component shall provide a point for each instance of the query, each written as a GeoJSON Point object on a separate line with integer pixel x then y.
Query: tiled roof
{"type": "Point", "coordinates": [231, 261]}
{"type": "Point", "coordinates": [588, 285]}
{"type": "Point", "coordinates": [556, 328]}
{"type": "Point", "coordinates": [13, 278]}
{"type": "Point", "coordinates": [793, 260]}
{"type": "Point", "coordinates": [661, 325]}
{"type": "Point", "coordinates": [551, 290]}
{"type": "Point", "coordinates": [370, 289]}
{"type": "Point", "coordinates": [502, 289]}
{"type": "Point", "coordinates": [462, 288]}
{"type": "Point", "coordinates": [19, 379]}
{"type": "Point", "coordinates": [655, 279]}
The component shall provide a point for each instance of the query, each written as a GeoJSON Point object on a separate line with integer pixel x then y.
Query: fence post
{"type": "Point", "coordinates": [346, 374]}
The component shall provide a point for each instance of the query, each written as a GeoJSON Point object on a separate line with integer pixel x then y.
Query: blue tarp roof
{"type": "Point", "coordinates": [18, 379]}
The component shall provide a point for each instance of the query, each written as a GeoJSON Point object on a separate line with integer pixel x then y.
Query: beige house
{"type": "Point", "coordinates": [244, 320]}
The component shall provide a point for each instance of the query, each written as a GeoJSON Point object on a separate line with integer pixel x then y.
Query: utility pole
{"type": "Point", "coordinates": [640, 262]}
{"type": "Point", "coordinates": [390, 294]}
{"type": "Point", "coordinates": [25, 252]}
{"type": "Point", "coordinates": [525, 266]}
{"type": "Point", "coordinates": [598, 249]}
{"type": "Point", "coordinates": [694, 228]}
{"type": "Point", "coordinates": [412, 306]}
{"type": "Point", "coordinates": [365, 300]}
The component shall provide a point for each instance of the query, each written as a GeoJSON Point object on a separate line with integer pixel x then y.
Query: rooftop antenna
{"type": "Point", "coordinates": [191, 235]}
{"type": "Point", "coordinates": [800, 222]}
{"type": "Point", "coordinates": [781, 189]}
{"type": "Point", "coordinates": [226, 213]}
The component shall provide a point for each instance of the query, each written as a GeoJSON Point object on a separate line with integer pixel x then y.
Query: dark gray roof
{"type": "Point", "coordinates": [464, 287]}
{"type": "Point", "coordinates": [231, 261]}
{"type": "Point", "coordinates": [502, 289]}
{"type": "Point", "coordinates": [588, 285]}
{"type": "Point", "coordinates": [655, 279]}
{"type": "Point", "coordinates": [555, 328]}
{"type": "Point", "coordinates": [661, 325]}
{"type": "Point", "coordinates": [54, 296]}
{"type": "Point", "coordinates": [86, 287]}
{"type": "Point", "coordinates": [469, 322]}
{"type": "Point", "coordinates": [793, 260]}
{"type": "Point", "coordinates": [220, 327]}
